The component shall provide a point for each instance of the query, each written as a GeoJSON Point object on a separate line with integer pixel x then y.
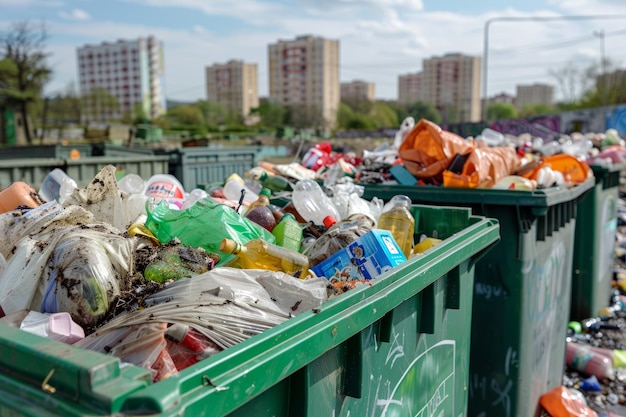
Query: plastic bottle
{"type": "Point", "coordinates": [259, 254]}
{"type": "Point", "coordinates": [132, 184]}
{"type": "Point", "coordinates": [164, 186]}
{"type": "Point", "coordinates": [57, 186]}
{"type": "Point", "coordinates": [288, 233]}
{"type": "Point", "coordinates": [312, 203]}
{"type": "Point", "coordinates": [275, 183]}
{"type": "Point", "coordinates": [583, 359]}
{"type": "Point", "coordinates": [397, 218]}
{"type": "Point", "coordinates": [260, 213]}
{"type": "Point", "coordinates": [195, 195]}
{"type": "Point", "coordinates": [18, 194]}
{"type": "Point", "coordinates": [233, 187]}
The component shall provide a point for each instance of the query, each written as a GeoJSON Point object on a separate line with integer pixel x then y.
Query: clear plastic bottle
{"type": "Point", "coordinates": [260, 213]}
{"type": "Point", "coordinates": [259, 254]}
{"type": "Point", "coordinates": [288, 233]}
{"type": "Point", "coordinates": [57, 186]}
{"type": "Point", "coordinates": [164, 186]}
{"type": "Point", "coordinates": [312, 203]}
{"type": "Point", "coordinates": [233, 187]}
{"type": "Point", "coordinates": [397, 218]}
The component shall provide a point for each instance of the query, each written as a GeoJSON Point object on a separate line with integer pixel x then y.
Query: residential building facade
{"type": "Point", "coordinates": [530, 95]}
{"type": "Point", "coordinates": [233, 85]}
{"type": "Point", "coordinates": [410, 88]}
{"type": "Point", "coordinates": [304, 75]}
{"type": "Point", "coordinates": [129, 70]}
{"type": "Point", "coordinates": [359, 90]}
{"type": "Point", "coordinates": [451, 83]}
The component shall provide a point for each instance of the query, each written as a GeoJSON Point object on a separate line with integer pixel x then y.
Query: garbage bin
{"type": "Point", "coordinates": [85, 169]}
{"type": "Point", "coordinates": [198, 165]}
{"type": "Point", "coordinates": [521, 292]}
{"type": "Point", "coordinates": [594, 243]}
{"type": "Point", "coordinates": [397, 347]}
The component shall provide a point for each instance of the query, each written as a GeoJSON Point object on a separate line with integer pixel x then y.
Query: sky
{"type": "Point", "coordinates": [379, 39]}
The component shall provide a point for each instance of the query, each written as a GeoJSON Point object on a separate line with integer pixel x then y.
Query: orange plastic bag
{"type": "Point", "coordinates": [484, 167]}
{"type": "Point", "coordinates": [561, 402]}
{"type": "Point", "coordinates": [428, 150]}
{"type": "Point", "coordinates": [574, 170]}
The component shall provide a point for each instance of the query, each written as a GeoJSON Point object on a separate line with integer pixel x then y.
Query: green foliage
{"type": "Point", "coordinates": [426, 111]}
{"type": "Point", "coordinates": [23, 68]}
{"type": "Point", "coordinates": [188, 114]}
{"type": "Point", "coordinates": [379, 115]}
{"type": "Point", "coordinates": [383, 116]}
{"type": "Point", "coordinates": [501, 111]}
{"type": "Point", "coordinates": [536, 110]}
{"type": "Point", "coordinates": [98, 102]}
{"type": "Point", "coordinates": [273, 115]}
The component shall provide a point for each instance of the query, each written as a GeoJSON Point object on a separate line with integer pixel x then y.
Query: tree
{"type": "Point", "coordinates": [23, 68]}
{"type": "Point", "coordinates": [421, 110]}
{"type": "Point", "coordinates": [383, 116]}
{"type": "Point", "coordinates": [214, 113]}
{"type": "Point", "coordinates": [539, 109]}
{"type": "Point", "coordinates": [99, 104]}
{"type": "Point", "coordinates": [501, 111]}
{"type": "Point", "coordinates": [272, 114]}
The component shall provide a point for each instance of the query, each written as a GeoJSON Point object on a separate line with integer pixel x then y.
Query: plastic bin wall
{"type": "Point", "coordinates": [521, 292]}
{"type": "Point", "coordinates": [397, 347]}
{"type": "Point", "coordinates": [594, 243]}
{"type": "Point", "coordinates": [30, 171]}
{"type": "Point", "coordinates": [204, 165]}
{"type": "Point", "coordinates": [46, 151]}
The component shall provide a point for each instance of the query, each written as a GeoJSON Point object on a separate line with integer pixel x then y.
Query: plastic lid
{"type": "Point", "coordinates": [266, 192]}
{"type": "Point", "coordinates": [177, 332]}
{"type": "Point", "coordinates": [329, 221]}
{"type": "Point", "coordinates": [229, 246]}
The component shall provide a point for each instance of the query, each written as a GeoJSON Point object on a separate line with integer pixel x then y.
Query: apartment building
{"type": "Point", "coordinates": [359, 90]}
{"type": "Point", "coordinates": [410, 88]}
{"type": "Point", "coordinates": [129, 70]}
{"type": "Point", "coordinates": [304, 75]}
{"type": "Point", "coordinates": [233, 85]}
{"type": "Point", "coordinates": [452, 84]}
{"type": "Point", "coordinates": [530, 95]}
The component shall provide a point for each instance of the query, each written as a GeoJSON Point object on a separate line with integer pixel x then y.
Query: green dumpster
{"type": "Point", "coordinates": [397, 347]}
{"type": "Point", "coordinates": [521, 293]}
{"type": "Point", "coordinates": [199, 165]}
{"type": "Point", "coordinates": [594, 243]}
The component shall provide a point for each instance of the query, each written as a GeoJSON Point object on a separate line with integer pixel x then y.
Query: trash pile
{"type": "Point", "coordinates": [163, 277]}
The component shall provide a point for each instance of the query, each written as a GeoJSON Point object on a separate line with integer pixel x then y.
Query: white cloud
{"type": "Point", "coordinates": [76, 14]}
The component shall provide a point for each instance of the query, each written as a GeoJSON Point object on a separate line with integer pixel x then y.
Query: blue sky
{"type": "Point", "coordinates": [379, 39]}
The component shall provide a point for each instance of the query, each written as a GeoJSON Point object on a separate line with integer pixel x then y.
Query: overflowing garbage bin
{"type": "Point", "coordinates": [521, 293]}
{"type": "Point", "coordinates": [400, 345]}
{"type": "Point", "coordinates": [594, 243]}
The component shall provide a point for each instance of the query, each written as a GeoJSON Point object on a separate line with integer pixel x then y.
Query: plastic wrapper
{"type": "Point", "coordinates": [561, 402]}
{"type": "Point", "coordinates": [484, 167]}
{"type": "Point", "coordinates": [205, 224]}
{"type": "Point", "coordinates": [428, 150]}
{"type": "Point", "coordinates": [108, 204]}
{"type": "Point", "coordinates": [294, 296]}
{"type": "Point", "coordinates": [572, 169]}
{"type": "Point", "coordinates": [338, 237]}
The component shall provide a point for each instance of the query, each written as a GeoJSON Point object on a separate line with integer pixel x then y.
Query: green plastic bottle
{"type": "Point", "coordinates": [288, 232]}
{"type": "Point", "coordinates": [273, 182]}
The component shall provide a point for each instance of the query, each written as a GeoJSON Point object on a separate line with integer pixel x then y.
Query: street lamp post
{"type": "Point", "coordinates": [600, 35]}
{"type": "Point", "coordinates": [529, 19]}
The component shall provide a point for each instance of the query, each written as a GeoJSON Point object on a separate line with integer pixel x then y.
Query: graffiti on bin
{"type": "Point", "coordinates": [488, 291]}
{"type": "Point", "coordinates": [396, 350]}
{"type": "Point", "coordinates": [545, 283]}
{"type": "Point", "coordinates": [426, 388]}
{"type": "Point", "coordinates": [545, 295]}
{"type": "Point", "coordinates": [607, 239]}
{"type": "Point", "coordinates": [500, 387]}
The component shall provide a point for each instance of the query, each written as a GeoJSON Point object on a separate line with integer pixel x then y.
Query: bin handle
{"type": "Point", "coordinates": [481, 254]}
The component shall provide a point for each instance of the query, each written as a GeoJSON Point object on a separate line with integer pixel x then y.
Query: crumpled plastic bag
{"type": "Point", "coordinates": [107, 202]}
{"type": "Point", "coordinates": [484, 167]}
{"type": "Point", "coordinates": [58, 259]}
{"type": "Point", "coordinates": [204, 225]}
{"type": "Point", "coordinates": [429, 150]}
{"type": "Point", "coordinates": [227, 305]}
{"type": "Point", "coordinates": [338, 237]}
